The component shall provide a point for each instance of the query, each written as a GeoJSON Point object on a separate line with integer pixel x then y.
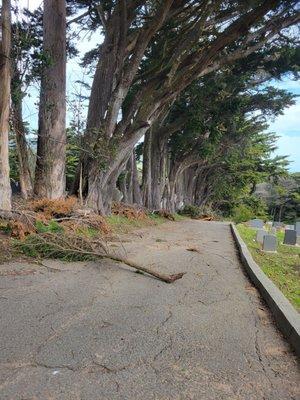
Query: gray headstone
{"type": "Point", "coordinates": [270, 243]}
{"type": "Point", "coordinates": [256, 223]}
{"type": "Point", "coordinates": [290, 237]}
{"type": "Point", "coordinates": [260, 233]}
{"type": "Point", "coordinates": [277, 224]}
{"type": "Point", "coordinates": [290, 227]}
{"type": "Point", "coordinates": [297, 227]}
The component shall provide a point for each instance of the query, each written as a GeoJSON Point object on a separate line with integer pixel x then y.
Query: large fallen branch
{"type": "Point", "coordinates": [73, 247]}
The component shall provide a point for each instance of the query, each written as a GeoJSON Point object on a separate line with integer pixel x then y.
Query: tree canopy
{"type": "Point", "coordinates": [184, 88]}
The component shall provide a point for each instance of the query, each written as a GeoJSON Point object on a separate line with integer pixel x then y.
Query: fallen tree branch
{"type": "Point", "coordinates": [72, 247]}
{"type": "Point", "coordinates": [26, 217]}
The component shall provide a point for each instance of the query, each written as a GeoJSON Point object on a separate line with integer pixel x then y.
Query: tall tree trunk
{"type": "Point", "coordinates": [5, 48]}
{"type": "Point", "coordinates": [25, 173]}
{"type": "Point", "coordinates": [154, 168]}
{"type": "Point", "coordinates": [130, 186]}
{"type": "Point", "coordinates": [187, 184]}
{"type": "Point", "coordinates": [51, 147]}
{"type": "Point", "coordinates": [172, 180]}
{"type": "Point", "coordinates": [136, 190]}
{"type": "Point", "coordinates": [158, 169]}
{"type": "Point", "coordinates": [25, 176]}
{"type": "Point", "coordinates": [146, 178]}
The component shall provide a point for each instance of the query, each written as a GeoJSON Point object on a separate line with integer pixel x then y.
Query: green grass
{"type": "Point", "coordinates": [121, 224]}
{"type": "Point", "coordinates": [283, 267]}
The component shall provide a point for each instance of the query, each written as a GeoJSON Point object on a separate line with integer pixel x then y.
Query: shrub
{"type": "Point", "coordinates": [242, 213]}
{"type": "Point", "coordinates": [191, 211]}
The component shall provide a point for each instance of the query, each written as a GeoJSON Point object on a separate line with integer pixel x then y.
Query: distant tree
{"type": "Point", "coordinates": [283, 198]}
{"type": "Point", "coordinates": [199, 126]}
{"type": "Point", "coordinates": [181, 41]}
{"type": "Point", "coordinates": [26, 69]}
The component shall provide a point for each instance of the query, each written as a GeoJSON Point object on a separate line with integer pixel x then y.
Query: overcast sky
{"type": "Point", "coordinates": [286, 126]}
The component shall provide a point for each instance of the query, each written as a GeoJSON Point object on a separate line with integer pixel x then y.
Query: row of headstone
{"type": "Point", "coordinates": [277, 224]}
{"type": "Point", "coordinates": [268, 240]}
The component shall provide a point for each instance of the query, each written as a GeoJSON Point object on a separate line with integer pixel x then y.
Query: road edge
{"type": "Point", "coordinates": [286, 317]}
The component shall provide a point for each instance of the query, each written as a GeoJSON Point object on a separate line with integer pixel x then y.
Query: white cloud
{"type": "Point", "coordinates": [287, 126]}
{"type": "Point", "coordinates": [287, 84]}
{"type": "Point", "coordinates": [31, 4]}
{"type": "Point", "coordinates": [289, 123]}
{"type": "Point", "coordinates": [290, 146]}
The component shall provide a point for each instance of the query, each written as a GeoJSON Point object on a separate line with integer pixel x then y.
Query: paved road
{"type": "Point", "coordinates": [95, 332]}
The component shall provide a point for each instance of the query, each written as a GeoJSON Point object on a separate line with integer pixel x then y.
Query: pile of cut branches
{"type": "Point", "coordinates": [165, 214]}
{"type": "Point", "coordinates": [65, 212]}
{"type": "Point", "coordinates": [129, 211]}
{"type": "Point", "coordinates": [56, 208]}
{"type": "Point", "coordinates": [76, 248]}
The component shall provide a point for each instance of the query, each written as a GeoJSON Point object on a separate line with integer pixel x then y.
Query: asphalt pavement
{"type": "Point", "coordinates": [99, 331]}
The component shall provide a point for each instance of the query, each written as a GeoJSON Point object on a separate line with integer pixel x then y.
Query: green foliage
{"type": "Point", "coordinates": [283, 198]}
{"type": "Point", "coordinates": [242, 213]}
{"type": "Point", "coordinates": [282, 267]}
{"type": "Point", "coordinates": [72, 154]}
{"type": "Point", "coordinates": [51, 226]}
{"type": "Point", "coordinates": [35, 246]}
{"type": "Point", "coordinates": [248, 207]}
{"type": "Point", "coordinates": [257, 205]}
{"type": "Point", "coordinates": [13, 163]}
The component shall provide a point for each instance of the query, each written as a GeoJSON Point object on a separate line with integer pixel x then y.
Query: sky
{"type": "Point", "coordinates": [286, 126]}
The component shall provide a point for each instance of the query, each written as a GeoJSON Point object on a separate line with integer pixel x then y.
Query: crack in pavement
{"type": "Point", "coordinates": [165, 348]}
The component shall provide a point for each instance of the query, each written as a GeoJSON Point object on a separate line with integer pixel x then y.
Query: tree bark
{"type": "Point", "coordinates": [174, 171]}
{"type": "Point", "coordinates": [51, 147]}
{"type": "Point", "coordinates": [129, 185]}
{"type": "Point", "coordinates": [146, 178]}
{"type": "Point", "coordinates": [5, 73]}
{"type": "Point", "coordinates": [158, 169]}
{"type": "Point", "coordinates": [136, 189]}
{"type": "Point", "coordinates": [25, 176]}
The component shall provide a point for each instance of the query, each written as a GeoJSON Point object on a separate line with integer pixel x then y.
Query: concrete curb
{"type": "Point", "coordinates": [286, 317]}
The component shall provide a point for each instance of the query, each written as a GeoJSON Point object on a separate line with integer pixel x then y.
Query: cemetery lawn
{"type": "Point", "coordinates": [283, 267]}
